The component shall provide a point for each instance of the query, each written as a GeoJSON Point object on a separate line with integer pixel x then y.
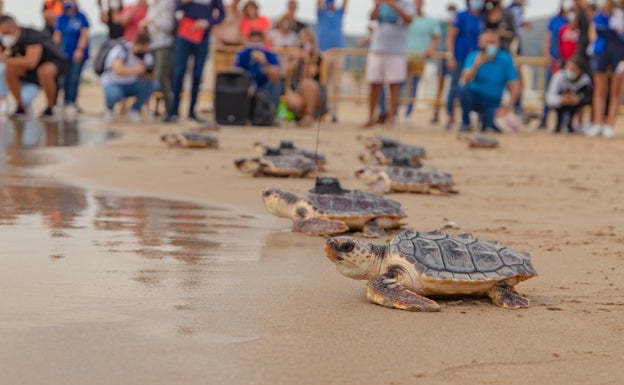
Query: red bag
{"type": "Point", "coordinates": [187, 31]}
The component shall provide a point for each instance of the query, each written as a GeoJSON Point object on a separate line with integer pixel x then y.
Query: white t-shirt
{"type": "Point", "coordinates": [123, 53]}
{"type": "Point", "coordinates": [391, 34]}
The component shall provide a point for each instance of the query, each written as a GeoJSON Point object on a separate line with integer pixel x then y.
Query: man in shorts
{"type": "Point", "coordinates": [387, 59]}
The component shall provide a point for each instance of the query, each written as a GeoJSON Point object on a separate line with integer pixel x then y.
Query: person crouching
{"type": "Point", "coordinates": [487, 72]}
{"type": "Point", "coordinates": [570, 90]}
{"type": "Point", "coordinates": [128, 72]}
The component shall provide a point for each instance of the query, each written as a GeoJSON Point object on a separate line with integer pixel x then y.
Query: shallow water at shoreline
{"type": "Point", "coordinates": [76, 262]}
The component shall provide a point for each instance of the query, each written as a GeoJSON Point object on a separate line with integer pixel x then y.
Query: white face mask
{"type": "Point", "coordinates": [8, 41]}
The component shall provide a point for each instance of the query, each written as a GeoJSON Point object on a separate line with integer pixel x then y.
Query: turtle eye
{"type": "Point", "coordinates": [346, 247]}
{"type": "Point", "coordinates": [266, 193]}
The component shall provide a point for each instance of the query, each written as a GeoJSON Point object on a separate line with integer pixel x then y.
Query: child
{"type": "Point", "coordinates": [569, 91]}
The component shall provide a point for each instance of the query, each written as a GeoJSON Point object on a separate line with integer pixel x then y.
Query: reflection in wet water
{"type": "Point", "coordinates": [18, 135]}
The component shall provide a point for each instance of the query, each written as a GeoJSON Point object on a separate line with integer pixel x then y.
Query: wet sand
{"type": "Point", "coordinates": [278, 312]}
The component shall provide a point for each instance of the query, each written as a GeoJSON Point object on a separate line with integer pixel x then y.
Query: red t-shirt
{"type": "Point", "coordinates": [261, 23]}
{"type": "Point", "coordinates": [568, 41]}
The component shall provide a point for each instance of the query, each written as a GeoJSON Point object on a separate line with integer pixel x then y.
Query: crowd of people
{"type": "Point", "coordinates": [151, 44]}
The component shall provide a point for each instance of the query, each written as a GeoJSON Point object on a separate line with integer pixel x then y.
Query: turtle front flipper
{"type": "Point", "coordinates": [505, 295]}
{"type": "Point", "coordinates": [372, 229]}
{"type": "Point", "coordinates": [319, 226]}
{"type": "Point", "coordinates": [385, 290]}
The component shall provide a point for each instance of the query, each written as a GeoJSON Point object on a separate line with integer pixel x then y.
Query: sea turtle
{"type": "Point", "coordinates": [415, 265]}
{"type": "Point", "coordinates": [400, 178]}
{"type": "Point", "coordinates": [273, 163]}
{"type": "Point", "coordinates": [289, 148]}
{"type": "Point", "coordinates": [329, 209]}
{"type": "Point", "coordinates": [377, 142]}
{"type": "Point", "coordinates": [480, 141]}
{"type": "Point", "coordinates": [190, 139]}
{"type": "Point", "coordinates": [388, 155]}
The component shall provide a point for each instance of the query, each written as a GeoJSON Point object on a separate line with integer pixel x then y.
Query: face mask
{"type": "Point", "coordinates": [571, 75]}
{"type": "Point", "coordinates": [68, 6]}
{"type": "Point", "coordinates": [476, 5]}
{"type": "Point", "coordinates": [491, 50]}
{"type": "Point", "coordinates": [8, 41]}
{"type": "Point", "coordinates": [601, 3]}
{"type": "Point", "coordinates": [571, 16]}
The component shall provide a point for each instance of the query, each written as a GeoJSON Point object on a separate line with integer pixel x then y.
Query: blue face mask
{"type": "Point", "coordinates": [68, 6]}
{"type": "Point", "coordinates": [491, 50]}
{"type": "Point", "coordinates": [477, 5]}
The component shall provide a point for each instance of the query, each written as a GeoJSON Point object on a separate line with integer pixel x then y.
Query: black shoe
{"type": "Point", "coordinates": [47, 113]}
{"type": "Point", "coordinates": [334, 119]}
{"type": "Point", "coordinates": [20, 112]}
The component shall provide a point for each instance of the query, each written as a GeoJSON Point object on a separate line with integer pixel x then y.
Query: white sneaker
{"type": "Point", "coordinates": [594, 131]}
{"type": "Point", "coordinates": [109, 116]}
{"type": "Point", "coordinates": [608, 132]}
{"type": "Point", "coordinates": [134, 116]}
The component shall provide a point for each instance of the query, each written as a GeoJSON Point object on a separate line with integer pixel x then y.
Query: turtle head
{"type": "Point", "coordinates": [279, 202]}
{"type": "Point", "coordinates": [355, 258]}
{"type": "Point", "coordinates": [369, 175]}
{"type": "Point", "coordinates": [248, 165]}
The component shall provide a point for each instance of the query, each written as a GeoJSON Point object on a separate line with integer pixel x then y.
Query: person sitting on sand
{"type": "Point", "coordinates": [487, 72]}
{"type": "Point", "coordinates": [306, 98]}
{"type": "Point", "coordinates": [262, 65]}
{"type": "Point", "coordinates": [128, 72]}
{"type": "Point", "coordinates": [570, 89]}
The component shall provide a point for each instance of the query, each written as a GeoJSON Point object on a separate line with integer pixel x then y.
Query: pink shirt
{"type": "Point", "coordinates": [132, 28]}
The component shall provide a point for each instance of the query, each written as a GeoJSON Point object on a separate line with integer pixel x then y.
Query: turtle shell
{"type": "Point", "coordinates": [353, 203]}
{"type": "Point", "coordinates": [463, 257]}
{"type": "Point", "coordinates": [419, 176]}
{"type": "Point", "coordinates": [289, 162]}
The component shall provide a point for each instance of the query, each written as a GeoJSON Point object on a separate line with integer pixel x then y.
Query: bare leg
{"type": "Point", "coordinates": [373, 98]}
{"type": "Point", "coordinates": [47, 74]}
{"type": "Point", "coordinates": [310, 95]}
{"type": "Point", "coordinates": [13, 75]}
{"type": "Point", "coordinates": [614, 100]}
{"type": "Point", "coordinates": [395, 90]}
{"type": "Point", "coordinates": [438, 101]}
{"type": "Point", "coordinates": [599, 98]}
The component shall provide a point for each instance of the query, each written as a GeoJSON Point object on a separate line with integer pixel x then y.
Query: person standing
{"type": "Point", "coordinates": [291, 14]}
{"type": "Point", "coordinates": [423, 38]}
{"type": "Point", "coordinates": [228, 32]}
{"type": "Point", "coordinates": [462, 38]}
{"type": "Point", "coordinates": [550, 49]}
{"type": "Point", "coordinates": [193, 36]}
{"type": "Point", "coordinates": [253, 20]}
{"type": "Point", "coordinates": [131, 18]}
{"type": "Point", "coordinates": [160, 23]}
{"type": "Point", "coordinates": [329, 32]}
{"type": "Point", "coordinates": [52, 9]}
{"type": "Point", "coordinates": [71, 32]}
{"type": "Point", "coordinates": [443, 71]}
{"type": "Point", "coordinates": [387, 59]}
{"type": "Point", "coordinates": [111, 16]}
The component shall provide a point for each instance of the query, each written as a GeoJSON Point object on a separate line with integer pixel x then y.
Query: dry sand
{"type": "Point", "coordinates": [290, 318]}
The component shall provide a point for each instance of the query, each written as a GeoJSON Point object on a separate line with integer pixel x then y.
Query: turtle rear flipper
{"type": "Point", "coordinates": [504, 295]}
{"type": "Point", "coordinates": [384, 290]}
{"type": "Point", "coordinates": [372, 229]}
{"type": "Point", "coordinates": [319, 226]}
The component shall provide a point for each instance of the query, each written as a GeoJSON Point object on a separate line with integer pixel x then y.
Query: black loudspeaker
{"type": "Point", "coordinates": [231, 98]}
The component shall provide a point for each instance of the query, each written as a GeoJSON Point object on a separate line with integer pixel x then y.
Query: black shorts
{"type": "Point", "coordinates": [31, 75]}
{"type": "Point", "coordinates": [609, 59]}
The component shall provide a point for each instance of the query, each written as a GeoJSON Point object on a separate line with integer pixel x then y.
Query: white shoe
{"type": "Point", "coordinates": [134, 116]}
{"type": "Point", "coordinates": [594, 131]}
{"type": "Point", "coordinates": [109, 116]}
{"type": "Point", "coordinates": [608, 132]}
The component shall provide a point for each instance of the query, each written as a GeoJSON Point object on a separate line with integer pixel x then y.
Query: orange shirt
{"type": "Point", "coordinates": [132, 28]}
{"type": "Point", "coordinates": [56, 6]}
{"type": "Point", "coordinates": [261, 23]}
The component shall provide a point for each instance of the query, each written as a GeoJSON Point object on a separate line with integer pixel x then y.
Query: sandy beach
{"type": "Point", "coordinates": [282, 314]}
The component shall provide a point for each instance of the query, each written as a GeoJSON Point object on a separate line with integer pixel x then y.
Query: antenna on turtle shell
{"type": "Point", "coordinates": [316, 148]}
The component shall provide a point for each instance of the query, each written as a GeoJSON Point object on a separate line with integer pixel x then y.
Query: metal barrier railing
{"type": "Point", "coordinates": [353, 86]}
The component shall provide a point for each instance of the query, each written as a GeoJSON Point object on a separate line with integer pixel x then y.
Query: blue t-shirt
{"type": "Point", "coordinates": [70, 27]}
{"type": "Point", "coordinates": [469, 28]}
{"type": "Point", "coordinates": [329, 29]}
{"type": "Point", "coordinates": [245, 62]}
{"type": "Point", "coordinates": [554, 26]}
{"type": "Point", "coordinates": [492, 77]}
{"type": "Point", "coordinates": [601, 22]}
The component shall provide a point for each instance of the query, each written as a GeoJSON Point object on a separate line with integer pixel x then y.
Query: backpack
{"type": "Point", "coordinates": [99, 63]}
